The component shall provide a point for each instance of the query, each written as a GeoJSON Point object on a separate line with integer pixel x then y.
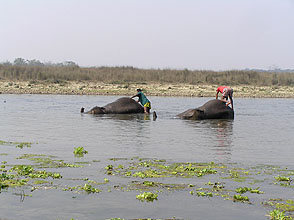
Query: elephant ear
{"type": "Point", "coordinates": [198, 114]}
{"type": "Point", "coordinates": [102, 109]}
{"type": "Point", "coordinates": [199, 110]}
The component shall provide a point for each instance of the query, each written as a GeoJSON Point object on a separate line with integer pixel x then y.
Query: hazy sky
{"type": "Point", "coordinates": [192, 34]}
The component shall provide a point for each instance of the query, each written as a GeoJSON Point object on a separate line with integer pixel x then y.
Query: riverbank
{"type": "Point", "coordinates": [151, 89]}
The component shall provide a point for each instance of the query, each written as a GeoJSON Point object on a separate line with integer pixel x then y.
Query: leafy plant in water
{"type": "Point", "coordinates": [90, 189]}
{"type": "Point", "coordinates": [80, 151]}
{"type": "Point", "coordinates": [23, 144]}
{"type": "Point", "coordinates": [283, 178]}
{"type": "Point", "coordinates": [240, 198]}
{"type": "Point", "coordinates": [242, 190]}
{"type": "Point", "coordinates": [207, 194]}
{"type": "Point", "coordinates": [276, 214]}
{"type": "Point", "coordinates": [147, 196]}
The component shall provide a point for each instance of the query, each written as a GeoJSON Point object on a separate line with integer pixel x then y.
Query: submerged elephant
{"type": "Point", "coordinates": [123, 105]}
{"type": "Point", "coordinates": [213, 109]}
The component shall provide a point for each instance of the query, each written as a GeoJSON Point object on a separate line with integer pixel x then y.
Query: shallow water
{"type": "Point", "coordinates": [261, 133]}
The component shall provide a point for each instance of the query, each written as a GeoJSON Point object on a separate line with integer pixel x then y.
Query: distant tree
{"type": "Point", "coordinates": [19, 62]}
{"type": "Point", "coordinates": [70, 63]}
{"type": "Point", "coordinates": [34, 63]}
{"type": "Point", "coordinates": [7, 63]}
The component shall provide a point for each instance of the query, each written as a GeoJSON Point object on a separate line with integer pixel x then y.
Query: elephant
{"type": "Point", "coordinates": [213, 109]}
{"type": "Point", "coordinates": [122, 105]}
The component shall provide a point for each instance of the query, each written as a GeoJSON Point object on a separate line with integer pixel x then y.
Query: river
{"type": "Point", "coordinates": [261, 133]}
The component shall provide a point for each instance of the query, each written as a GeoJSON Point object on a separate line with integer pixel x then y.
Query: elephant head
{"type": "Point", "coordinates": [95, 110]}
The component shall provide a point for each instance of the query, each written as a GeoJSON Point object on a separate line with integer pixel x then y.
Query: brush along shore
{"type": "Point", "coordinates": [151, 89]}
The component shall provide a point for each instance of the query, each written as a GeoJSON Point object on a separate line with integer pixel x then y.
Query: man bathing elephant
{"type": "Point", "coordinates": [213, 109]}
{"type": "Point", "coordinates": [143, 100]}
{"type": "Point", "coordinates": [226, 92]}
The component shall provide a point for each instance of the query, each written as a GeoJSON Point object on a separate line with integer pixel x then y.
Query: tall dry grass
{"type": "Point", "coordinates": [135, 75]}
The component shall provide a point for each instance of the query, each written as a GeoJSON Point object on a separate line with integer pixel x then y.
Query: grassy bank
{"type": "Point", "coordinates": [151, 89]}
{"type": "Point", "coordinates": [120, 75]}
{"type": "Point", "coordinates": [72, 79]}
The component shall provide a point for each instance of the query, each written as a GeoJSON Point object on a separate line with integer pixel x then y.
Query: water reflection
{"type": "Point", "coordinates": [128, 117]}
{"type": "Point", "coordinates": [219, 135]}
{"type": "Point", "coordinates": [223, 131]}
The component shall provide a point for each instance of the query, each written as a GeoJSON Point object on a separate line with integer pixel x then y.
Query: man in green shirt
{"type": "Point", "coordinates": [143, 100]}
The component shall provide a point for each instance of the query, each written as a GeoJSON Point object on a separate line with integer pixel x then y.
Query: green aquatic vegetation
{"type": "Point", "coordinates": [148, 174]}
{"type": "Point", "coordinates": [276, 214]}
{"type": "Point", "coordinates": [240, 198]}
{"type": "Point", "coordinates": [11, 180]}
{"type": "Point", "coordinates": [115, 219]}
{"type": "Point", "coordinates": [18, 144]}
{"type": "Point", "coordinates": [148, 183]}
{"type": "Point", "coordinates": [257, 191]}
{"type": "Point", "coordinates": [23, 144]}
{"type": "Point", "coordinates": [117, 159]}
{"type": "Point", "coordinates": [283, 205]}
{"type": "Point", "coordinates": [45, 161]}
{"type": "Point", "coordinates": [242, 190]}
{"type": "Point", "coordinates": [237, 176]}
{"type": "Point", "coordinates": [217, 186]}
{"type": "Point", "coordinates": [147, 196]}
{"type": "Point", "coordinates": [97, 183]}
{"type": "Point", "coordinates": [28, 170]}
{"type": "Point", "coordinates": [86, 187]}
{"type": "Point", "coordinates": [79, 151]}
{"type": "Point", "coordinates": [205, 194]}
{"type": "Point", "coordinates": [158, 168]}
{"type": "Point", "coordinates": [39, 182]}
{"type": "Point", "coordinates": [109, 167]}
{"type": "Point", "coordinates": [23, 170]}
{"type": "Point", "coordinates": [283, 178]}
{"type": "Point", "coordinates": [90, 189]}
{"type": "Point", "coordinates": [145, 185]}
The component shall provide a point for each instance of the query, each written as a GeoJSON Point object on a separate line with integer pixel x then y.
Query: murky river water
{"type": "Point", "coordinates": [261, 133]}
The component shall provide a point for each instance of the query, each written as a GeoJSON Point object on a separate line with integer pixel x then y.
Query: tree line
{"type": "Point", "coordinates": [34, 70]}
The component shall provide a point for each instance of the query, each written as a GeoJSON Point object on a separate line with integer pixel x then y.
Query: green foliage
{"type": "Point", "coordinates": [147, 196]}
{"type": "Point", "coordinates": [207, 194]}
{"type": "Point", "coordinates": [23, 144]}
{"type": "Point", "coordinates": [18, 144]}
{"type": "Point", "coordinates": [86, 187]}
{"type": "Point", "coordinates": [283, 178]}
{"type": "Point", "coordinates": [80, 151]}
{"type": "Point", "coordinates": [276, 214]}
{"type": "Point", "coordinates": [242, 190]}
{"type": "Point", "coordinates": [240, 198]}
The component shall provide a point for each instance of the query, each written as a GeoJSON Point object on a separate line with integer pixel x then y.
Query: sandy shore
{"type": "Point", "coordinates": [154, 89]}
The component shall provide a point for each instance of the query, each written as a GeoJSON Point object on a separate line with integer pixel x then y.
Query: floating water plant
{"type": "Point", "coordinates": [23, 144]}
{"type": "Point", "coordinates": [28, 170]}
{"type": "Point", "coordinates": [207, 194]}
{"type": "Point", "coordinates": [241, 198]}
{"type": "Point", "coordinates": [80, 151]}
{"type": "Point", "coordinates": [45, 161]}
{"type": "Point", "coordinates": [278, 215]}
{"type": "Point", "coordinates": [283, 178]}
{"type": "Point", "coordinates": [283, 205]}
{"type": "Point", "coordinates": [147, 196]}
{"type": "Point", "coordinates": [86, 187]}
{"type": "Point", "coordinates": [18, 144]}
